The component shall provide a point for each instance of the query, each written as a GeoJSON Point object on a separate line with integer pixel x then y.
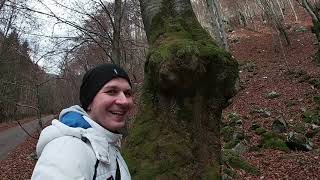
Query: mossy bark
{"type": "Point", "coordinates": [188, 81]}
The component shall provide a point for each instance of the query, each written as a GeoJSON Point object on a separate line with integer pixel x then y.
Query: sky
{"type": "Point", "coordinates": [39, 38]}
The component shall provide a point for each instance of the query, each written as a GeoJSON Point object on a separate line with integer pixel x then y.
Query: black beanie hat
{"type": "Point", "coordinates": [96, 78]}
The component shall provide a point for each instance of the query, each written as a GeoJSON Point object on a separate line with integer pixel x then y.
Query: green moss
{"type": "Point", "coordinates": [230, 173]}
{"type": "Point", "coordinates": [317, 100]}
{"type": "Point", "coordinates": [227, 133]}
{"type": "Point", "coordinates": [300, 128]}
{"type": "Point", "coordinates": [260, 131]}
{"type": "Point", "coordinates": [233, 117]}
{"type": "Point", "coordinates": [212, 173]}
{"type": "Point", "coordinates": [312, 117]}
{"type": "Point", "coordinates": [272, 140]}
{"type": "Point", "coordinates": [231, 144]}
{"type": "Point", "coordinates": [235, 161]}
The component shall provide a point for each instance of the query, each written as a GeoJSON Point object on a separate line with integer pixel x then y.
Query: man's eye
{"type": "Point", "coordinates": [111, 92]}
{"type": "Point", "coordinates": [128, 94]}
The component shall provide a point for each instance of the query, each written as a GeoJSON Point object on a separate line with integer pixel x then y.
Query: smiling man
{"type": "Point", "coordinates": [84, 142]}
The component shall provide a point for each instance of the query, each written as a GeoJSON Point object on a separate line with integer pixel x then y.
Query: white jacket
{"type": "Point", "coordinates": [70, 153]}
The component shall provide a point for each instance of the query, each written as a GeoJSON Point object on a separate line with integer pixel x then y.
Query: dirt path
{"type": "Point", "coordinates": [12, 137]}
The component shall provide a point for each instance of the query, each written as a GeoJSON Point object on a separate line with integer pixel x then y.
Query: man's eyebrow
{"type": "Point", "coordinates": [114, 87]}
{"type": "Point", "coordinates": [110, 86]}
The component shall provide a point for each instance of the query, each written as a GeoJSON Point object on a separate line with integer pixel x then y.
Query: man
{"type": "Point", "coordinates": [84, 144]}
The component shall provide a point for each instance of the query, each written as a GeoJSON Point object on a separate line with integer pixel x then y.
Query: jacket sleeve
{"type": "Point", "coordinates": [66, 157]}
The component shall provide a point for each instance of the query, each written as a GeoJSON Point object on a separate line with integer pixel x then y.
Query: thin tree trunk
{"type": "Point", "coordinates": [293, 10]}
{"type": "Point", "coordinates": [116, 53]}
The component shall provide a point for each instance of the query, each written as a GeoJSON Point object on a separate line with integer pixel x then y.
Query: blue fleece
{"type": "Point", "coordinates": [74, 119]}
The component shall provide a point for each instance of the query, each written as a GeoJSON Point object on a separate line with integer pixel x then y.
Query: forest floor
{"type": "Point", "coordinates": [265, 66]}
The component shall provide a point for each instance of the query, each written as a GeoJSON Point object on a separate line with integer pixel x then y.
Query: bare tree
{"type": "Point", "coordinates": [274, 16]}
{"type": "Point", "coordinates": [313, 9]}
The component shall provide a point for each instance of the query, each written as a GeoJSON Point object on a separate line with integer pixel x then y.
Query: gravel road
{"type": "Point", "coordinates": [12, 137]}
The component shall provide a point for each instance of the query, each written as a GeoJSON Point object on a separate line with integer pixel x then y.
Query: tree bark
{"type": "Point", "coordinates": [293, 10]}
{"type": "Point", "coordinates": [216, 16]}
{"type": "Point", "coordinates": [188, 81]}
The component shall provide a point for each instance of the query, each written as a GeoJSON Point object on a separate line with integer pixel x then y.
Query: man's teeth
{"type": "Point", "coordinates": [117, 113]}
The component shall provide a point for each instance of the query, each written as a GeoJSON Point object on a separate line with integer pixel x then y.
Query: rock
{"type": "Point", "coordinates": [235, 161]}
{"type": "Point", "coordinates": [233, 117]}
{"type": "Point", "coordinates": [227, 133]}
{"type": "Point", "coordinates": [265, 114]}
{"type": "Point", "coordinates": [239, 122]}
{"type": "Point", "coordinates": [272, 95]}
{"type": "Point", "coordinates": [272, 140]}
{"type": "Point", "coordinates": [297, 141]}
{"type": "Point", "coordinates": [33, 156]}
{"type": "Point", "coordinates": [241, 147]}
{"type": "Point", "coordinates": [262, 112]}
{"type": "Point", "coordinates": [254, 126]}
{"type": "Point", "coordinates": [238, 135]}
{"type": "Point", "coordinates": [311, 130]}
{"type": "Point", "coordinates": [279, 125]}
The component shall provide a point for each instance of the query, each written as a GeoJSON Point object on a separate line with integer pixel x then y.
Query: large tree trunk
{"type": "Point", "coordinates": [188, 81]}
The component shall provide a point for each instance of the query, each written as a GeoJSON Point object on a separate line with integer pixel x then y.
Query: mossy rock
{"type": "Point", "coordinates": [236, 161]}
{"type": "Point", "coordinates": [291, 103]}
{"type": "Point", "coordinates": [298, 141]}
{"type": "Point", "coordinates": [300, 128]}
{"type": "Point", "coordinates": [261, 111]}
{"type": "Point", "coordinates": [255, 126]}
{"type": "Point", "coordinates": [315, 82]}
{"type": "Point", "coordinates": [231, 144]}
{"type": "Point", "coordinates": [233, 118]}
{"type": "Point", "coordinates": [260, 131]}
{"type": "Point", "coordinates": [271, 140]}
{"type": "Point", "coordinates": [312, 117]}
{"type": "Point", "coordinates": [229, 174]}
{"type": "Point", "coordinates": [248, 66]}
{"type": "Point", "coordinates": [227, 133]}
{"type": "Point", "coordinates": [272, 95]}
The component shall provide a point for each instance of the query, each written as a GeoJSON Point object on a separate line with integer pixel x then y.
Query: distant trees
{"type": "Point", "coordinates": [19, 77]}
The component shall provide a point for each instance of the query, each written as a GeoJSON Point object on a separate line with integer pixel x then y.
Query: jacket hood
{"type": "Point", "coordinates": [75, 122]}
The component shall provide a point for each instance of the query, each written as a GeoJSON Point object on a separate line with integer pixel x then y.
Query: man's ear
{"type": "Point", "coordinates": [89, 108]}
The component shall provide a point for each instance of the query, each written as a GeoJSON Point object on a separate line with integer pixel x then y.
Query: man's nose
{"type": "Point", "coordinates": [122, 99]}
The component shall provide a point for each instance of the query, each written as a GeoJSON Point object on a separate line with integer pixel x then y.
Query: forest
{"type": "Point", "coordinates": [243, 73]}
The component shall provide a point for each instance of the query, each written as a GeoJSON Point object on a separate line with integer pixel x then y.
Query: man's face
{"type": "Point", "coordinates": [111, 104]}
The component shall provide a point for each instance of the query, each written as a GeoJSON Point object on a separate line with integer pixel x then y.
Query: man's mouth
{"type": "Point", "coordinates": [118, 113]}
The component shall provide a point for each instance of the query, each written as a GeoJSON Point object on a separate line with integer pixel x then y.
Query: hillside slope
{"type": "Point", "coordinates": [291, 73]}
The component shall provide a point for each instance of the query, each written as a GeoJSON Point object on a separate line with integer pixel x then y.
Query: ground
{"type": "Point", "coordinates": [266, 66]}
